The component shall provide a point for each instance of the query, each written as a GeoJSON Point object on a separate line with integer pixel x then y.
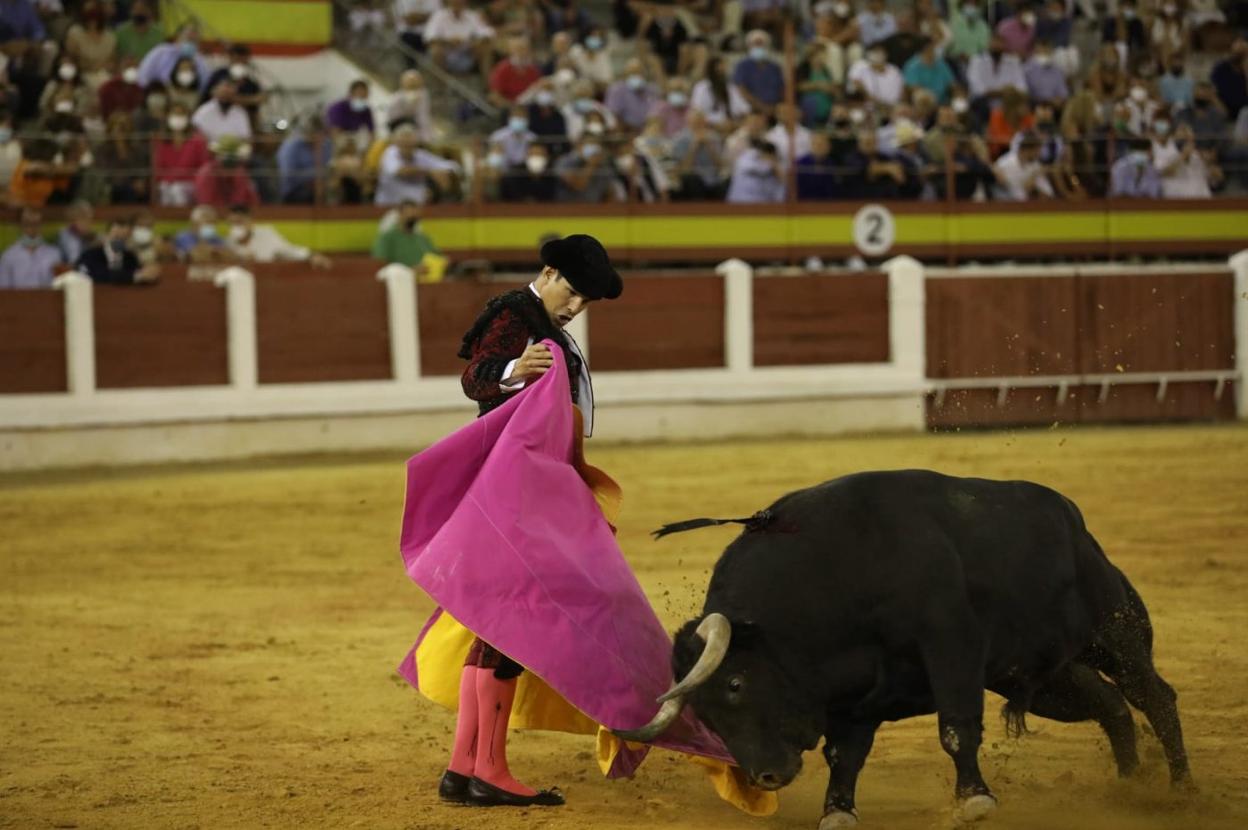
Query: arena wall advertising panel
{"type": "Point", "coordinates": [820, 319]}
{"type": "Point", "coordinates": [660, 322]}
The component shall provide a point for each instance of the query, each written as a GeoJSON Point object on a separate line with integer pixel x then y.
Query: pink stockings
{"type": "Point", "coordinates": [481, 732]}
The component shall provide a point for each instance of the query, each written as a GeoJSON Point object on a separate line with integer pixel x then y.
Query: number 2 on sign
{"type": "Point", "coordinates": [874, 230]}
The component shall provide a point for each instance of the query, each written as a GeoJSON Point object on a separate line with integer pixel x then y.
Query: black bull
{"type": "Point", "coordinates": [887, 595]}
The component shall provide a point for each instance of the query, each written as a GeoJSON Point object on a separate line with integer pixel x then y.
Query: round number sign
{"type": "Point", "coordinates": [874, 230]}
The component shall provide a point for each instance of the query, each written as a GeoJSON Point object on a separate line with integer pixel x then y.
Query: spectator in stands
{"type": "Point", "coordinates": [876, 78]}
{"type": "Point", "coordinates": [177, 155]}
{"type": "Point", "coordinates": [1107, 80]}
{"type": "Point", "coordinates": [757, 177]}
{"type": "Point", "coordinates": [144, 241]}
{"type": "Point", "coordinates": [585, 173]}
{"type": "Point", "coordinates": [1054, 27]}
{"type": "Point", "coordinates": [581, 106]}
{"type": "Point", "coordinates": [1176, 88]}
{"type": "Point", "coordinates": [814, 85]}
{"type": "Point", "coordinates": [1125, 30]}
{"type": "Point", "coordinates": [121, 174]}
{"type": "Point", "coordinates": [971, 34]}
{"type": "Point", "coordinates": [262, 243]}
{"type": "Point", "coordinates": [764, 15]}
{"type": "Point", "coordinates": [666, 33]}
{"type": "Point", "coordinates": [303, 158]}
{"type": "Point", "coordinates": [875, 24]}
{"type": "Point", "coordinates": [929, 24]}
{"type": "Point", "coordinates": [1207, 117]}
{"type": "Point", "coordinates": [514, 74]}
{"type": "Point", "coordinates": [673, 110]}
{"type": "Point", "coordinates": [788, 122]}
{"type": "Point", "coordinates": [535, 182]}
{"type": "Point", "coordinates": [77, 235]}
{"type": "Point", "coordinates": [1020, 175]}
{"type": "Point", "coordinates": [545, 119]}
{"type": "Point", "coordinates": [1045, 80]}
{"type": "Point", "coordinates": [1044, 128]}
{"type": "Point", "coordinates": [239, 71]}
{"type": "Point", "coordinates": [567, 16]}
{"type": "Point", "coordinates": [137, 36]}
{"type": "Point", "coordinates": [836, 40]}
{"type": "Point", "coordinates": [1141, 106]}
{"type": "Point", "coordinates": [41, 177]}
{"type": "Point", "coordinates": [411, 17]}
{"type": "Point", "coordinates": [404, 243]}
{"type": "Point", "coordinates": [67, 85]}
{"type": "Point", "coordinates": [407, 171]}
{"type": "Point", "coordinates": [753, 128]}
{"type": "Point", "coordinates": [221, 116]}
{"type": "Point", "coordinates": [224, 180]}
{"type": "Point", "coordinates": [842, 130]}
{"type": "Point", "coordinates": [513, 141]}
{"type": "Point", "coordinates": [1018, 31]}
{"type": "Point", "coordinates": [1011, 115]}
{"type": "Point", "coordinates": [121, 93]}
{"type": "Point", "coordinates": [10, 151]}
{"type": "Point", "coordinates": [30, 262]}
{"type": "Point", "coordinates": [91, 44]}
{"type": "Point", "coordinates": [927, 70]}
{"type": "Point", "coordinates": [1230, 79]}
{"type": "Point", "coordinates": [639, 175]}
{"type": "Point", "coordinates": [989, 74]}
{"type": "Point", "coordinates": [758, 78]}
{"type": "Point", "coordinates": [698, 152]}
{"type": "Point", "coordinates": [871, 173]}
{"type": "Point", "coordinates": [949, 142]}
{"type": "Point", "coordinates": [349, 174]}
{"type": "Point", "coordinates": [111, 261]}
{"type": "Point", "coordinates": [185, 83]}
{"type": "Point", "coordinates": [1170, 36]}
{"type": "Point", "coordinates": [1185, 171]}
{"type": "Point", "coordinates": [353, 113]}
{"type": "Point", "coordinates": [908, 138]}
{"type": "Point", "coordinates": [200, 243]}
{"type": "Point", "coordinates": [1134, 175]}
{"type": "Point", "coordinates": [592, 60]}
{"type": "Point", "coordinates": [631, 98]}
{"type": "Point", "coordinates": [410, 105]}
{"type": "Point", "coordinates": [158, 64]}
{"type": "Point", "coordinates": [516, 18]}
{"type": "Point", "coordinates": [816, 171]}
{"type": "Point", "coordinates": [22, 26]}
{"type": "Point", "coordinates": [720, 101]}
{"type": "Point", "coordinates": [459, 40]}
{"type": "Point", "coordinates": [559, 54]}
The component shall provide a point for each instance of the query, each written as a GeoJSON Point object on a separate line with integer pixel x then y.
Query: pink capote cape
{"type": "Point", "coordinates": [501, 528]}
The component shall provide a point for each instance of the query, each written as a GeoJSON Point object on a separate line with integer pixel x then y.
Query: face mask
{"type": "Point", "coordinates": [178, 123]}
{"type": "Point", "coordinates": [186, 77]}
{"type": "Point", "coordinates": [590, 150]}
{"type": "Point", "coordinates": [67, 72]}
{"type": "Point", "coordinates": [677, 99]}
{"type": "Point", "coordinates": [238, 71]}
{"type": "Point", "coordinates": [518, 124]}
{"type": "Point", "coordinates": [359, 104]}
{"type": "Point", "coordinates": [565, 76]}
{"type": "Point", "coordinates": [187, 49]}
{"type": "Point", "coordinates": [1043, 60]}
{"type": "Point", "coordinates": [1139, 157]}
{"type": "Point", "coordinates": [130, 75]}
{"type": "Point", "coordinates": [544, 98]}
{"type": "Point", "coordinates": [971, 12]}
{"type": "Point", "coordinates": [141, 236]}
{"type": "Point", "coordinates": [1028, 18]}
{"type": "Point", "coordinates": [117, 245]}
{"type": "Point", "coordinates": [243, 152]}
{"type": "Point", "coordinates": [1129, 14]}
{"type": "Point", "coordinates": [624, 163]}
{"type": "Point", "coordinates": [207, 233]}
{"type": "Point", "coordinates": [841, 9]}
{"type": "Point", "coordinates": [6, 135]}
{"type": "Point", "coordinates": [1162, 127]}
{"type": "Point", "coordinates": [86, 159]}
{"type": "Point", "coordinates": [536, 164]}
{"type": "Point", "coordinates": [857, 116]}
{"type": "Point", "coordinates": [593, 43]}
{"type": "Point", "coordinates": [758, 53]}
{"type": "Point", "coordinates": [495, 161]}
{"type": "Point", "coordinates": [238, 233]}
{"type": "Point", "coordinates": [64, 107]}
{"type": "Point", "coordinates": [1139, 94]}
{"type": "Point", "coordinates": [877, 58]}
{"type": "Point", "coordinates": [635, 82]}
{"type": "Point", "coordinates": [595, 128]}
{"type": "Point", "coordinates": [583, 105]}
{"type": "Point", "coordinates": [960, 105]}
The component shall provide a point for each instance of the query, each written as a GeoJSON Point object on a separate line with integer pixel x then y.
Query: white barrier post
{"type": "Point", "coordinates": [738, 314]}
{"type": "Point", "coordinates": [907, 322]}
{"type": "Point", "coordinates": [240, 315]}
{"type": "Point", "coordinates": [1239, 264]}
{"type": "Point", "coordinates": [79, 331]}
{"type": "Point", "coordinates": [404, 325]}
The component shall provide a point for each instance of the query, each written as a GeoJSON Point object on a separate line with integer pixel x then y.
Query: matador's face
{"type": "Point", "coordinates": [561, 300]}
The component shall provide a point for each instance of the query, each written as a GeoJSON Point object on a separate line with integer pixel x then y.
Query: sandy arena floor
{"type": "Point", "coordinates": [214, 646]}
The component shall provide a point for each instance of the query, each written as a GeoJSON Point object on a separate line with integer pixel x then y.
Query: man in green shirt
{"type": "Point", "coordinates": [970, 31]}
{"type": "Point", "coordinates": [404, 243]}
{"type": "Point", "coordinates": [138, 35]}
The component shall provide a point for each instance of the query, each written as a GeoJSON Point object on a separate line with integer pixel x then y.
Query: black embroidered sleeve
{"type": "Point", "coordinates": [503, 340]}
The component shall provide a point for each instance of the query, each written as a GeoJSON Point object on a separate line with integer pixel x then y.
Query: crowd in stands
{"type": "Point", "coordinates": [749, 101]}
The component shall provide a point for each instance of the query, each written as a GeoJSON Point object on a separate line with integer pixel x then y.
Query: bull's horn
{"type": "Point", "coordinates": [668, 712]}
{"type": "Point", "coordinates": [716, 632]}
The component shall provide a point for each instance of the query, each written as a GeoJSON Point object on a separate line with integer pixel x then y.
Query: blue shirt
{"type": "Point", "coordinates": [936, 77]}
{"type": "Point", "coordinates": [875, 28]}
{"type": "Point", "coordinates": [297, 163]}
{"type": "Point", "coordinates": [19, 21]}
{"type": "Point", "coordinates": [158, 65]}
{"type": "Point", "coordinates": [1131, 177]}
{"type": "Point", "coordinates": [189, 238]}
{"type": "Point", "coordinates": [762, 79]}
{"type": "Point", "coordinates": [754, 180]}
{"type": "Point", "coordinates": [25, 267]}
{"type": "Point", "coordinates": [1176, 90]}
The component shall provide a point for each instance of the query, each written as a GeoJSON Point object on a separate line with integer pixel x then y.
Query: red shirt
{"type": "Point", "coordinates": [222, 186]}
{"type": "Point", "coordinates": [179, 162]}
{"type": "Point", "coordinates": [510, 81]}
{"type": "Point", "coordinates": [118, 96]}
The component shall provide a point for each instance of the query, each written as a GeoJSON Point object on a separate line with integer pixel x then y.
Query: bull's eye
{"type": "Point", "coordinates": [736, 684]}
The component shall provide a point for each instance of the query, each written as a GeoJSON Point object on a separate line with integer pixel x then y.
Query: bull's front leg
{"type": "Point", "coordinates": [846, 748]}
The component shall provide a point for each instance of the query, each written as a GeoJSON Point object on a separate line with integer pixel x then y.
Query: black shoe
{"type": "Point", "coordinates": [454, 787]}
{"type": "Point", "coordinates": [482, 794]}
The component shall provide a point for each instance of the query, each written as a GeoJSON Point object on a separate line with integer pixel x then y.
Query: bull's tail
{"type": "Point", "coordinates": [756, 522]}
{"type": "Point", "coordinates": [1014, 715]}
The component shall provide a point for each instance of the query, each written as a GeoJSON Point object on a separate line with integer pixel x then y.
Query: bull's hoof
{"type": "Point", "coordinates": [836, 819]}
{"type": "Point", "coordinates": [974, 808]}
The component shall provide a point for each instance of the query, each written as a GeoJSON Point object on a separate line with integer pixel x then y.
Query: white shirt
{"type": "Point", "coordinates": [593, 65]}
{"type": "Point", "coordinates": [1190, 180]}
{"type": "Point", "coordinates": [885, 86]}
{"type": "Point", "coordinates": [703, 100]}
{"type": "Point", "coordinates": [584, 388]}
{"type": "Point", "coordinates": [779, 136]}
{"type": "Point", "coordinates": [267, 245]}
{"type": "Point", "coordinates": [984, 77]}
{"type": "Point", "coordinates": [575, 121]}
{"type": "Point", "coordinates": [444, 25]}
{"type": "Point", "coordinates": [213, 123]}
{"type": "Point", "coordinates": [1016, 174]}
{"type": "Point", "coordinates": [391, 190]}
{"type": "Point", "coordinates": [402, 8]}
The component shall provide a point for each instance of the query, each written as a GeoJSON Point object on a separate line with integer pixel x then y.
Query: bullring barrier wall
{"type": "Point", "coordinates": [295, 362]}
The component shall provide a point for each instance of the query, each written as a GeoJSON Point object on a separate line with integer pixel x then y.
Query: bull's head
{"type": "Point", "coordinates": [735, 687]}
